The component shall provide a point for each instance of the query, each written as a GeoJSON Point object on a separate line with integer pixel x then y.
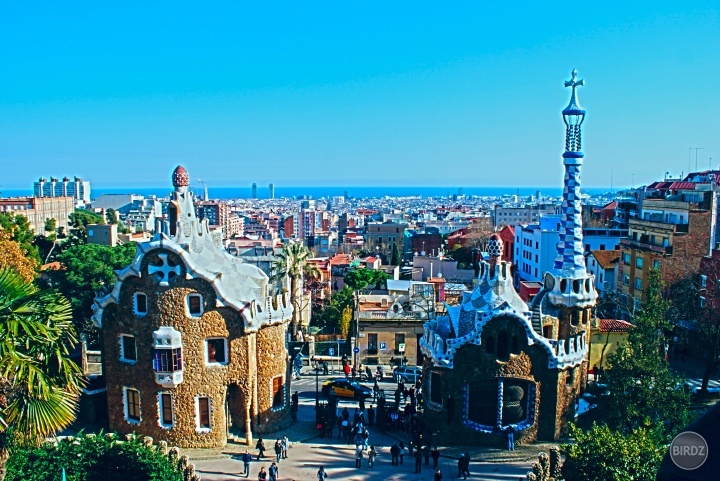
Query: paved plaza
{"type": "Point", "coordinates": [308, 452]}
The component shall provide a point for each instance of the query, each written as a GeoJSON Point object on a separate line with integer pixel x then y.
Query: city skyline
{"type": "Point", "coordinates": [350, 97]}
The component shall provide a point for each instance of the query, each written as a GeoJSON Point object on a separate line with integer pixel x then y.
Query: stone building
{"type": "Point", "coordinates": [193, 345]}
{"type": "Point", "coordinates": [495, 364]}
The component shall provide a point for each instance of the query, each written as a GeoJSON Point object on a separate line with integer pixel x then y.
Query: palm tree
{"type": "Point", "coordinates": [293, 263]}
{"type": "Point", "coordinates": [39, 384]}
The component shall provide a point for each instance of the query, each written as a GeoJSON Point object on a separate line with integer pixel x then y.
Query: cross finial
{"type": "Point", "coordinates": [574, 82]}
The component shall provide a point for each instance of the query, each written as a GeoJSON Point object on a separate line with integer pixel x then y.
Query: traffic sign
{"type": "Point", "coordinates": [382, 346]}
{"type": "Point", "coordinates": [332, 351]}
{"type": "Point", "coordinates": [356, 350]}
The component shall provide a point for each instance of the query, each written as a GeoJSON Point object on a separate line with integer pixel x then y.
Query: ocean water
{"type": "Point", "coordinates": [317, 192]}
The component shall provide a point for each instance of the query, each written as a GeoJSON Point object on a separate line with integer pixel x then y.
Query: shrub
{"type": "Point", "coordinates": [88, 457]}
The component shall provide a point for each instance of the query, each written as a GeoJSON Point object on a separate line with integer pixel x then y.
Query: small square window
{"type": "Point", "coordinates": [132, 405]}
{"type": "Point", "coordinates": [194, 304]}
{"type": "Point", "coordinates": [702, 302]}
{"type": "Point", "coordinates": [638, 283]}
{"type": "Point", "coordinates": [638, 262]}
{"type": "Point", "coordinates": [128, 349]}
{"type": "Point", "coordinates": [703, 281]}
{"type": "Point", "coordinates": [216, 350]}
{"type": "Point", "coordinates": [140, 304]}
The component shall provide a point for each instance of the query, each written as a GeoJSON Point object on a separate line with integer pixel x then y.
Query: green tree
{"type": "Point", "coordinates": [89, 271]}
{"type": "Point", "coordinates": [601, 453]}
{"type": "Point", "coordinates": [111, 216]}
{"type": "Point", "coordinates": [40, 385]}
{"type": "Point", "coordinates": [20, 231]}
{"type": "Point", "coordinates": [293, 263]}
{"type": "Point", "coordinates": [329, 316]}
{"type": "Point", "coordinates": [51, 227]}
{"type": "Point", "coordinates": [642, 391]}
{"type": "Point", "coordinates": [79, 220]}
{"type": "Point", "coordinates": [87, 457]}
{"type": "Point", "coordinates": [360, 279]}
{"type": "Point", "coordinates": [395, 258]}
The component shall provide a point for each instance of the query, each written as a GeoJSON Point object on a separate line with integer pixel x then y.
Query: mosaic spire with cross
{"type": "Point", "coordinates": [570, 249]}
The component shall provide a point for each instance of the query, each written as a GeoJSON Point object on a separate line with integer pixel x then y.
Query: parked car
{"type": "Point", "coordinates": [408, 374]}
{"type": "Point", "coordinates": [346, 388]}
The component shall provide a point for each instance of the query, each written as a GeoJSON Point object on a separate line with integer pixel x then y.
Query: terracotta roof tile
{"type": "Point", "coordinates": [614, 325]}
{"type": "Point", "coordinates": [606, 259]}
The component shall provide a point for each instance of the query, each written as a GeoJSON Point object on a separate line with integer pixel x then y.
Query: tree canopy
{"type": "Point", "coordinates": [601, 453]}
{"type": "Point", "coordinates": [20, 231]}
{"type": "Point", "coordinates": [13, 256]}
{"type": "Point", "coordinates": [360, 279]}
{"type": "Point", "coordinates": [642, 391]}
{"type": "Point", "coordinates": [88, 269]}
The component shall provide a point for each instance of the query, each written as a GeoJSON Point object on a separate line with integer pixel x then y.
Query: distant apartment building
{"type": "Point", "coordinates": [77, 188]}
{"type": "Point", "coordinates": [379, 237]}
{"type": "Point", "coordinates": [254, 191]}
{"type": "Point", "coordinates": [271, 191]}
{"type": "Point", "coordinates": [40, 209]}
{"type": "Point", "coordinates": [536, 245]}
{"type": "Point", "coordinates": [426, 244]}
{"type": "Point", "coordinates": [141, 215]}
{"type": "Point", "coordinates": [672, 235]}
{"type": "Point", "coordinates": [525, 214]}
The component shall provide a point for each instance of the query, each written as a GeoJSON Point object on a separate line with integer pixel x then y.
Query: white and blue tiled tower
{"type": "Point", "coordinates": [569, 282]}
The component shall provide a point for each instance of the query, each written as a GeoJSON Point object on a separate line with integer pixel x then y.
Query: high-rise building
{"type": "Point", "coordinates": [77, 188]}
{"type": "Point", "coordinates": [254, 190]}
{"type": "Point", "coordinates": [271, 187]}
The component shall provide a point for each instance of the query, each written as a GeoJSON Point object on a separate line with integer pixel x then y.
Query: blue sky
{"type": "Point", "coordinates": [354, 93]}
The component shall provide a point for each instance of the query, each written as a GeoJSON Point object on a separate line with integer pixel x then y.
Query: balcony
{"type": "Point", "coordinates": [646, 246]}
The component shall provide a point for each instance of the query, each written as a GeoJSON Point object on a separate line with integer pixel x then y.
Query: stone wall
{"type": "Point", "coordinates": [248, 360]}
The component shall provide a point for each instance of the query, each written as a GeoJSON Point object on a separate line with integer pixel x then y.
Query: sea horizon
{"type": "Point", "coordinates": [319, 192]}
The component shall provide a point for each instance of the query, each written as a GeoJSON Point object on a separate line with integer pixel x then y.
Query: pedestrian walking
{"type": "Point", "coordinates": [278, 451]}
{"type": "Point", "coordinates": [402, 452]}
{"type": "Point", "coordinates": [461, 465]}
{"type": "Point", "coordinates": [358, 456]}
{"type": "Point", "coordinates": [321, 474]}
{"type": "Point", "coordinates": [371, 416]}
{"type": "Point", "coordinates": [435, 454]}
{"type": "Point", "coordinates": [511, 438]}
{"type": "Point", "coordinates": [371, 457]}
{"type": "Point", "coordinates": [260, 446]}
{"type": "Point", "coordinates": [438, 476]}
{"type": "Point", "coordinates": [247, 459]}
{"type": "Point", "coordinates": [262, 475]}
{"type": "Point", "coordinates": [273, 472]}
{"type": "Point", "coordinates": [418, 460]}
{"type": "Point", "coordinates": [394, 455]}
{"type": "Point", "coordinates": [376, 390]}
{"type": "Point", "coordinates": [466, 465]}
{"type": "Point", "coordinates": [285, 443]}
